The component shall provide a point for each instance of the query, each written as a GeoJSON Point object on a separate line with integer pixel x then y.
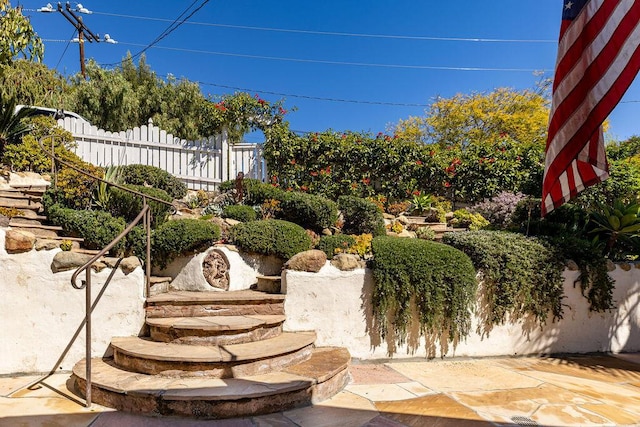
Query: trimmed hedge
{"type": "Point", "coordinates": [329, 244]}
{"type": "Point", "coordinates": [361, 216]}
{"type": "Point", "coordinates": [128, 205]}
{"type": "Point", "coordinates": [440, 279]}
{"type": "Point", "coordinates": [307, 210]}
{"type": "Point", "coordinates": [522, 276]}
{"type": "Point", "coordinates": [97, 228]}
{"type": "Point", "coordinates": [242, 213]}
{"type": "Point", "coordinates": [177, 238]}
{"type": "Point", "coordinates": [271, 237]}
{"type": "Point", "coordinates": [155, 177]}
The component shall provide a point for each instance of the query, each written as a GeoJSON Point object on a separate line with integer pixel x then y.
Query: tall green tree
{"type": "Point", "coordinates": [481, 119]}
{"type": "Point", "coordinates": [106, 98]}
{"type": "Point", "coordinates": [17, 37]}
{"type": "Point", "coordinates": [33, 83]}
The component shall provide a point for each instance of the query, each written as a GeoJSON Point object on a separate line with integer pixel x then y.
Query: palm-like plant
{"type": "Point", "coordinates": [11, 125]}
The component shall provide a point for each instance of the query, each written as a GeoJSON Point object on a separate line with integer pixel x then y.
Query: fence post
{"type": "Point", "coordinates": [225, 154]}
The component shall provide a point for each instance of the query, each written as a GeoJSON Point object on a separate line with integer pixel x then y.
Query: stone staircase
{"type": "Point", "coordinates": [27, 199]}
{"type": "Point", "coordinates": [215, 355]}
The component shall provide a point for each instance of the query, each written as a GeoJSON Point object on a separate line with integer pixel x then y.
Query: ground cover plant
{"type": "Point", "coordinates": [438, 278]}
{"type": "Point", "coordinates": [522, 276]}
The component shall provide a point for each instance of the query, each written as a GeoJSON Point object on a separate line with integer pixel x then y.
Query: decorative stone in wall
{"type": "Point", "coordinates": [17, 241]}
{"type": "Point", "coordinates": [347, 262]}
{"type": "Point", "coordinates": [312, 261]}
{"type": "Point", "coordinates": [215, 268]}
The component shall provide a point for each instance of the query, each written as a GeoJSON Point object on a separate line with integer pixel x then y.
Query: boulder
{"type": "Point", "coordinates": [67, 260]}
{"type": "Point", "coordinates": [572, 265]}
{"type": "Point", "coordinates": [46, 244]}
{"type": "Point", "coordinates": [17, 241]}
{"type": "Point", "coordinates": [231, 222]}
{"type": "Point", "coordinates": [129, 264]}
{"type": "Point", "coordinates": [28, 179]}
{"type": "Point", "coordinates": [625, 266]}
{"type": "Point", "coordinates": [311, 261]}
{"type": "Point", "coordinates": [347, 262]}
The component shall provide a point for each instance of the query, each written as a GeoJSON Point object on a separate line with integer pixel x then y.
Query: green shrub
{"type": "Point", "coordinates": [308, 211]}
{"type": "Point", "coordinates": [440, 279]}
{"type": "Point", "coordinates": [256, 192]}
{"type": "Point", "coordinates": [179, 237]}
{"type": "Point", "coordinates": [128, 205]}
{"type": "Point", "coordinates": [329, 244]}
{"type": "Point", "coordinates": [361, 216]}
{"type": "Point", "coordinates": [155, 177]}
{"type": "Point", "coordinates": [462, 218]}
{"type": "Point", "coordinates": [522, 276]}
{"type": "Point", "coordinates": [425, 233]}
{"type": "Point", "coordinates": [242, 213]}
{"type": "Point", "coordinates": [595, 283]}
{"type": "Point", "coordinates": [567, 219]}
{"type": "Point", "coordinates": [27, 154]}
{"type": "Point", "coordinates": [73, 189]}
{"type": "Point", "coordinates": [97, 228]}
{"type": "Point", "coordinates": [136, 242]}
{"type": "Point", "coordinates": [271, 237]}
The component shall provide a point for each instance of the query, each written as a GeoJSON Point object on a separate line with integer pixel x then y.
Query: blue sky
{"type": "Point", "coordinates": [396, 52]}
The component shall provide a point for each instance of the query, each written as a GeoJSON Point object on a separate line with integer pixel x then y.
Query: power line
{"type": "Point", "coordinates": [65, 49]}
{"type": "Point", "coordinates": [315, 98]}
{"type": "Point", "coordinates": [171, 28]}
{"type": "Point", "coordinates": [340, 34]}
{"type": "Point", "coordinates": [320, 61]}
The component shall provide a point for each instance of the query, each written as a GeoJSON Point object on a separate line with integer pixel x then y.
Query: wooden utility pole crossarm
{"type": "Point", "coordinates": [83, 32]}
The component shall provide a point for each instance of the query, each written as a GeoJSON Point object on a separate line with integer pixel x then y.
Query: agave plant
{"type": "Point", "coordinates": [617, 223]}
{"type": "Point", "coordinates": [421, 203]}
{"type": "Point", "coordinates": [102, 195]}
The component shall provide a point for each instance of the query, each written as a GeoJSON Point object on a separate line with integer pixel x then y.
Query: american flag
{"type": "Point", "coordinates": [598, 58]}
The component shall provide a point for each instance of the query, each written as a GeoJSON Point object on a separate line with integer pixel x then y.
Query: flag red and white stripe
{"type": "Point", "coordinates": [598, 58]}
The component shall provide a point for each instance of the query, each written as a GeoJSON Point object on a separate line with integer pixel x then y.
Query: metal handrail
{"type": "Point", "coordinates": [145, 215]}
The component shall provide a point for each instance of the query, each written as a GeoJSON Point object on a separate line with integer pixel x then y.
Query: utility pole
{"type": "Point", "coordinates": [83, 32]}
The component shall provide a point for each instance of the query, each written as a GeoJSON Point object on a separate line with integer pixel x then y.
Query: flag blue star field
{"type": "Point", "coordinates": [598, 58]}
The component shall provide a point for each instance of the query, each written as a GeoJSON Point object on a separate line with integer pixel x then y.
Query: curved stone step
{"type": "Point", "coordinates": [222, 361]}
{"type": "Point", "coordinates": [323, 375]}
{"type": "Point", "coordinates": [215, 330]}
{"type": "Point", "coordinates": [200, 304]}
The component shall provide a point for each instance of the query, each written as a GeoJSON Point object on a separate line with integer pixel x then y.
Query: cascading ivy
{"type": "Point", "coordinates": [522, 276]}
{"type": "Point", "coordinates": [438, 278]}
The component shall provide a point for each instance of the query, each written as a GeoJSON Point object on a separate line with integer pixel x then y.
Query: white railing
{"type": "Point", "coordinates": [201, 164]}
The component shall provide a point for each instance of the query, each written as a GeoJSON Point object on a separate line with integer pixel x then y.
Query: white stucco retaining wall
{"type": "Point", "coordinates": [41, 311]}
{"type": "Point", "coordinates": [336, 304]}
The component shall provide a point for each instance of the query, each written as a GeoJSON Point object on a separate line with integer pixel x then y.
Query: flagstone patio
{"type": "Point", "coordinates": [590, 390]}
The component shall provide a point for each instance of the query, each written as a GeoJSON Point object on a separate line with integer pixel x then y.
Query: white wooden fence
{"type": "Point", "coordinates": [202, 164]}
